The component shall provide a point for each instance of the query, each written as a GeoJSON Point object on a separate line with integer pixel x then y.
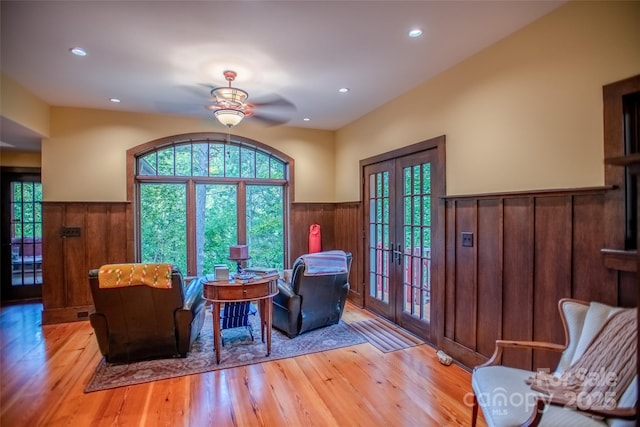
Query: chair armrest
{"type": "Point", "coordinates": [496, 358]}
{"type": "Point", "coordinates": [285, 289]}
{"type": "Point", "coordinates": [624, 413]}
{"type": "Point", "coordinates": [627, 413]}
{"type": "Point", "coordinates": [192, 293]}
{"type": "Point", "coordinates": [287, 299]}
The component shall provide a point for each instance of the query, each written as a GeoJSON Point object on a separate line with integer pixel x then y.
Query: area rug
{"type": "Point", "coordinates": [238, 350]}
{"type": "Point", "coordinates": [385, 336]}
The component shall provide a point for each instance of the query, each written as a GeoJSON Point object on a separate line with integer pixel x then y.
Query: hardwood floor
{"type": "Point", "coordinates": [44, 370]}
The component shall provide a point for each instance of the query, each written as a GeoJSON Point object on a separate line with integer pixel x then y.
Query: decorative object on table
{"type": "Point", "coordinates": [244, 277]}
{"type": "Point", "coordinates": [261, 271]}
{"type": "Point", "coordinates": [239, 254]}
{"type": "Point", "coordinates": [221, 272]}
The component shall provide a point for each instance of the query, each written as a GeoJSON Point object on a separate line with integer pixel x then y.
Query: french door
{"type": "Point", "coordinates": [401, 218]}
{"type": "Point", "coordinates": [21, 235]}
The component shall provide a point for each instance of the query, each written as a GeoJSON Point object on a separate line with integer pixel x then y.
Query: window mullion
{"type": "Point", "coordinates": [242, 213]}
{"type": "Point", "coordinates": [192, 266]}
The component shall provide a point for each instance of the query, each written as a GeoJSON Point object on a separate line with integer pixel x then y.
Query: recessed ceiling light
{"type": "Point", "coordinates": [306, 119]}
{"type": "Point", "coordinates": [343, 90]}
{"type": "Point", "coordinates": [114, 100]}
{"type": "Point", "coordinates": [416, 32]}
{"type": "Point", "coordinates": [78, 51]}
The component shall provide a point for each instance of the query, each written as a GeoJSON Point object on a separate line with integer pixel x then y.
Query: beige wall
{"type": "Point", "coordinates": [23, 107]}
{"type": "Point", "coordinates": [85, 157]}
{"type": "Point", "coordinates": [524, 114]}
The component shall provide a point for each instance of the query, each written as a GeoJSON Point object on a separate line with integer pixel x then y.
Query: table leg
{"type": "Point", "coordinates": [217, 336]}
{"type": "Point", "coordinates": [268, 315]}
{"type": "Point", "coordinates": [261, 308]}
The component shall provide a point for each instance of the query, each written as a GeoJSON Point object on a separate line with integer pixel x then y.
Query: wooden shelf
{"type": "Point", "coordinates": [621, 260]}
{"type": "Point", "coordinates": [629, 160]}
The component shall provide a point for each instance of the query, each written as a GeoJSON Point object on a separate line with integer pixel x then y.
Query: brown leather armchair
{"type": "Point", "coordinates": [310, 302]}
{"type": "Point", "coordinates": [140, 322]}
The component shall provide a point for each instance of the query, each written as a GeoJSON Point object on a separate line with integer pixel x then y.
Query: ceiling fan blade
{"type": "Point", "coordinates": [272, 101]}
{"type": "Point", "coordinates": [269, 120]}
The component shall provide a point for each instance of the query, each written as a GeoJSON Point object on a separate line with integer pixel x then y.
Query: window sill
{"type": "Point", "coordinates": [617, 259]}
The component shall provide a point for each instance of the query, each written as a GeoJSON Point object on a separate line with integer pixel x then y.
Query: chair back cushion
{"type": "Point", "coordinates": [141, 319]}
{"type": "Point", "coordinates": [322, 297]}
{"type": "Point", "coordinates": [584, 322]}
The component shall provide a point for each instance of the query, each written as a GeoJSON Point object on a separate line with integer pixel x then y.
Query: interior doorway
{"type": "Point", "coordinates": [401, 192]}
{"type": "Point", "coordinates": [21, 255]}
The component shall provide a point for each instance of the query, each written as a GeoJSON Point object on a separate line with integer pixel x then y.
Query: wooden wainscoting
{"type": "Point", "coordinates": [302, 216]}
{"type": "Point", "coordinates": [79, 236]}
{"type": "Point", "coordinates": [530, 250]}
{"type": "Point", "coordinates": [106, 236]}
{"type": "Point", "coordinates": [341, 228]}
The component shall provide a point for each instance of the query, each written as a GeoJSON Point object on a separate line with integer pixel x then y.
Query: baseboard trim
{"type": "Point", "coordinates": [68, 314]}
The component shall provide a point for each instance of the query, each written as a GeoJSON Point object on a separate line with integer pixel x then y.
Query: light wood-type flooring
{"type": "Point", "coordinates": [44, 370]}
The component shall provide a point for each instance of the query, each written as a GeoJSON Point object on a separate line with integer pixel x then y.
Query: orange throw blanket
{"type": "Point", "coordinates": [121, 275]}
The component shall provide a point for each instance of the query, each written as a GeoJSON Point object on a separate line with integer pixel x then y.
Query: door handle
{"type": "Point", "coordinates": [398, 253]}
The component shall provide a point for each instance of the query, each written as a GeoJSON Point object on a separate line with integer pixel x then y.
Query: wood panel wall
{"type": "Point", "coordinates": [106, 236]}
{"type": "Point", "coordinates": [341, 228]}
{"type": "Point", "coordinates": [530, 250]}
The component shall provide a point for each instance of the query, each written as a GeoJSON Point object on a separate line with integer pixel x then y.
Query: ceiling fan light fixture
{"type": "Point", "coordinates": [230, 95]}
{"type": "Point", "coordinates": [229, 117]}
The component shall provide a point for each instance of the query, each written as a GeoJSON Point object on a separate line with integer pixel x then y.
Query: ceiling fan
{"type": "Point", "coordinates": [230, 105]}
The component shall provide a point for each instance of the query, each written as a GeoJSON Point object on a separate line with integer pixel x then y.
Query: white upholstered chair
{"type": "Point", "coordinates": [507, 399]}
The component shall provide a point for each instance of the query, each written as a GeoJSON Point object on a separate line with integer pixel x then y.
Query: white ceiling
{"type": "Point", "coordinates": [160, 56]}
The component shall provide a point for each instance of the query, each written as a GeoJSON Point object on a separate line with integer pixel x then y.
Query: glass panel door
{"type": "Point", "coordinates": [26, 233]}
{"type": "Point", "coordinates": [398, 211]}
{"type": "Point", "coordinates": [22, 255]}
{"type": "Point", "coordinates": [416, 237]}
{"type": "Point", "coordinates": [380, 215]}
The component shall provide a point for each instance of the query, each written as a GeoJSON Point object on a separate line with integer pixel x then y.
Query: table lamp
{"type": "Point", "coordinates": [239, 253]}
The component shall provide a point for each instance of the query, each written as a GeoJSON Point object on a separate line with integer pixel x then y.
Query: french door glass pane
{"type": "Point", "coordinates": [417, 240]}
{"type": "Point", "coordinates": [26, 233]}
{"type": "Point", "coordinates": [265, 225]}
{"type": "Point", "coordinates": [216, 225]}
{"type": "Point", "coordinates": [379, 255]}
{"type": "Point", "coordinates": [163, 224]}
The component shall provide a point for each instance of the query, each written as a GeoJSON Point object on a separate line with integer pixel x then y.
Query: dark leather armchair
{"type": "Point", "coordinates": [141, 322]}
{"type": "Point", "coordinates": [310, 302]}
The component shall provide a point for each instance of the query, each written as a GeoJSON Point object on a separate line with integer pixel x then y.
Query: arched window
{"type": "Point", "coordinates": [198, 194]}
